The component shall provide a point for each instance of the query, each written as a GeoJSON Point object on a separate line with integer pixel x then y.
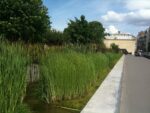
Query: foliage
{"type": "Point", "coordinates": [115, 47]}
{"type": "Point", "coordinates": [68, 74]}
{"type": "Point", "coordinates": [77, 30]}
{"type": "Point", "coordinates": [23, 19]}
{"type": "Point", "coordinates": [96, 32]}
{"type": "Point", "coordinates": [13, 71]}
{"type": "Point", "coordinates": [54, 37]}
{"type": "Point", "coordinates": [65, 73]}
{"type": "Point", "coordinates": [81, 31]}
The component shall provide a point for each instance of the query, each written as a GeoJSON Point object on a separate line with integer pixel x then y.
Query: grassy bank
{"type": "Point", "coordinates": [69, 75]}
{"type": "Point", "coordinates": [13, 68]}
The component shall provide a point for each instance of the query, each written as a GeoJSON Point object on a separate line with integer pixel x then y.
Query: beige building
{"type": "Point", "coordinates": [124, 41]}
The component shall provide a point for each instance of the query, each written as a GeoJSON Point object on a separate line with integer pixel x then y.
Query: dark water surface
{"type": "Point", "coordinates": [54, 110]}
{"type": "Point", "coordinates": [51, 109]}
{"type": "Point", "coordinates": [38, 106]}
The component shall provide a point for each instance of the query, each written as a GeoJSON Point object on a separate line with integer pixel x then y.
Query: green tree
{"type": "Point", "coordinates": [23, 19]}
{"type": "Point", "coordinates": [77, 31]}
{"type": "Point", "coordinates": [82, 31]}
{"type": "Point", "coordinates": [96, 32]}
{"type": "Point", "coordinates": [54, 37]}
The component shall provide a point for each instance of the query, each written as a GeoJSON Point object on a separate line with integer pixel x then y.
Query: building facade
{"type": "Point", "coordinates": [124, 41]}
{"type": "Point", "coordinates": [143, 40]}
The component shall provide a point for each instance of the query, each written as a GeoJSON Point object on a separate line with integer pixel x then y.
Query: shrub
{"type": "Point", "coordinates": [115, 47]}
{"type": "Point", "coordinates": [54, 37]}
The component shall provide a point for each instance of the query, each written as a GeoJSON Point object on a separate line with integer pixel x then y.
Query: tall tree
{"type": "Point", "coordinates": [96, 32]}
{"type": "Point", "coordinates": [82, 31]}
{"type": "Point", "coordinates": [77, 30]}
{"type": "Point", "coordinates": [23, 19]}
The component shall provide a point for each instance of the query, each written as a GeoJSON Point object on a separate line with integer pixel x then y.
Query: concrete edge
{"type": "Point", "coordinates": [120, 88]}
{"type": "Point", "coordinates": [107, 97]}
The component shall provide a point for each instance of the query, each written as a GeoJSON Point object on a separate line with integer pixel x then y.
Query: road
{"type": "Point", "coordinates": [135, 88]}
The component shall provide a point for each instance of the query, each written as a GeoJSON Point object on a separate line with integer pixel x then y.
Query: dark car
{"type": "Point", "coordinates": [139, 53]}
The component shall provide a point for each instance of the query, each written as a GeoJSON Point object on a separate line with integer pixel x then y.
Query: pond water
{"type": "Point", "coordinates": [52, 109]}
{"type": "Point", "coordinates": [46, 108]}
{"type": "Point", "coordinates": [38, 106]}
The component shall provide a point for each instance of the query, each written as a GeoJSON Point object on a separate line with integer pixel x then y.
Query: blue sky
{"type": "Point", "coordinates": [128, 16]}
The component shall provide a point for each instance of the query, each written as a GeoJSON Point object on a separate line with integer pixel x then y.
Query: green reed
{"type": "Point", "coordinates": [13, 71]}
{"type": "Point", "coordinates": [67, 74]}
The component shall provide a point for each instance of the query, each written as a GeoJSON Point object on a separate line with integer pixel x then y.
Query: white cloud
{"type": "Point", "coordinates": [111, 29]}
{"type": "Point", "coordinates": [137, 4]}
{"type": "Point", "coordinates": [113, 16]}
{"type": "Point", "coordinates": [138, 17]}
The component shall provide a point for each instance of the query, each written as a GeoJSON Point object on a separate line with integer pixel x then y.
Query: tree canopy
{"type": "Point", "coordinates": [23, 19]}
{"type": "Point", "coordinates": [54, 37]}
{"type": "Point", "coordinates": [96, 32]}
{"type": "Point", "coordinates": [82, 31]}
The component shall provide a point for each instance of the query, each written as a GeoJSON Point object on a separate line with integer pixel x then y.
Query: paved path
{"type": "Point", "coordinates": [135, 95]}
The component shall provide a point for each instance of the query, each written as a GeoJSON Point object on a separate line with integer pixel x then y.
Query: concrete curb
{"type": "Point", "coordinates": [106, 98]}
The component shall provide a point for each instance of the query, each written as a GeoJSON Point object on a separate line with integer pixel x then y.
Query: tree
{"type": "Point", "coordinates": [23, 19]}
{"type": "Point", "coordinates": [54, 37]}
{"type": "Point", "coordinates": [96, 32]}
{"type": "Point", "coordinates": [77, 31]}
{"type": "Point", "coordinates": [82, 31]}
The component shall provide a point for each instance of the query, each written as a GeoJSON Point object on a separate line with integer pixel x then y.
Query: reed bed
{"type": "Point", "coordinates": [65, 73]}
{"type": "Point", "coordinates": [69, 74]}
{"type": "Point", "coordinates": [13, 70]}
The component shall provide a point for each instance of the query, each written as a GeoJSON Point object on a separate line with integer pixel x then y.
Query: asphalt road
{"type": "Point", "coordinates": [135, 89]}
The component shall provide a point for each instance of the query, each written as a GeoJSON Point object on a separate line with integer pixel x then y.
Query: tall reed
{"type": "Point", "coordinates": [13, 71]}
{"type": "Point", "coordinates": [67, 74]}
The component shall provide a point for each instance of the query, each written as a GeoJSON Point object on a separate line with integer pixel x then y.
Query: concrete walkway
{"type": "Point", "coordinates": [135, 94]}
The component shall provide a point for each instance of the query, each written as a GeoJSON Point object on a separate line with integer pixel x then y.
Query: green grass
{"type": "Point", "coordinates": [68, 74]}
{"type": "Point", "coordinates": [68, 77]}
{"type": "Point", "coordinates": [13, 71]}
{"type": "Point", "coordinates": [102, 71]}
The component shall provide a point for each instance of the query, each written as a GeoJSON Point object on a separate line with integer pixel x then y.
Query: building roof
{"type": "Point", "coordinates": [120, 36]}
